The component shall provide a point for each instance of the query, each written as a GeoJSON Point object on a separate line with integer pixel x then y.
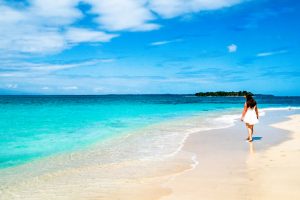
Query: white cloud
{"type": "Point", "coordinates": [12, 86]}
{"type": "Point", "coordinates": [47, 26]}
{"type": "Point", "coordinates": [158, 43]}
{"type": "Point", "coordinates": [28, 69]}
{"type": "Point", "coordinates": [70, 88]}
{"type": "Point", "coordinates": [13, 74]}
{"type": "Point", "coordinates": [59, 12]}
{"type": "Point", "coordinates": [36, 41]}
{"type": "Point", "coordinates": [44, 27]}
{"type": "Point", "coordinates": [115, 15]}
{"type": "Point", "coordinates": [45, 88]}
{"type": "Point", "coordinates": [232, 48]}
{"type": "Point", "coordinates": [7, 74]}
{"type": "Point", "coordinates": [25, 30]}
{"type": "Point", "coordinates": [174, 8]}
{"type": "Point", "coordinates": [47, 67]}
{"type": "Point", "coordinates": [10, 15]}
{"type": "Point", "coordinates": [264, 54]}
{"type": "Point", "coordinates": [163, 42]}
{"type": "Point", "coordinates": [78, 35]}
{"type": "Point", "coordinates": [107, 60]}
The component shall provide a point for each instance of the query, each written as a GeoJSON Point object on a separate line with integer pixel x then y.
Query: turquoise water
{"type": "Point", "coordinates": [36, 126]}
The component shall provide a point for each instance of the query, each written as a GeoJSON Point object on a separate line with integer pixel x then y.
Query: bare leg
{"type": "Point", "coordinates": [250, 129]}
{"type": "Point", "coordinates": [250, 132]}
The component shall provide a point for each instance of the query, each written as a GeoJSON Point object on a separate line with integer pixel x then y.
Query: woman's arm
{"type": "Point", "coordinates": [244, 111]}
{"type": "Point", "coordinates": [256, 110]}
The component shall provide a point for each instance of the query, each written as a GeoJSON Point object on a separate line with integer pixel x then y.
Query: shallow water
{"type": "Point", "coordinates": [33, 127]}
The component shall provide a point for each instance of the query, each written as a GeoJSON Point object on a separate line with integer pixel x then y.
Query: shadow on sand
{"type": "Point", "coordinates": [256, 138]}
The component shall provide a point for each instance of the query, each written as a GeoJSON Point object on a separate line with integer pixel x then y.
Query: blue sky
{"type": "Point", "coordinates": [149, 46]}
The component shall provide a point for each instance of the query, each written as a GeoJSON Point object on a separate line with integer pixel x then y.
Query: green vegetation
{"type": "Point", "coordinates": [223, 93]}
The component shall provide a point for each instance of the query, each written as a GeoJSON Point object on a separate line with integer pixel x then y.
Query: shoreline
{"type": "Point", "coordinates": [236, 172]}
{"type": "Point", "coordinates": [101, 160]}
{"type": "Point", "coordinates": [189, 116]}
{"type": "Point", "coordinates": [130, 179]}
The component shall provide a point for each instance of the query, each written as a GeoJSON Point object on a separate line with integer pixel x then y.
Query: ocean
{"type": "Point", "coordinates": [35, 127]}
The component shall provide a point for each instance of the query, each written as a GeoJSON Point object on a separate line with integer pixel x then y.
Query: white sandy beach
{"type": "Point", "coordinates": [212, 164]}
{"type": "Point", "coordinates": [271, 173]}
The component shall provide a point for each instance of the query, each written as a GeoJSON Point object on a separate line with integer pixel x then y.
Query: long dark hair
{"type": "Point", "coordinates": [251, 103]}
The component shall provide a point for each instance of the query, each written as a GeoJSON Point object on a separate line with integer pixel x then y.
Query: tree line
{"type": "Point", "coordinates": [223, 93]}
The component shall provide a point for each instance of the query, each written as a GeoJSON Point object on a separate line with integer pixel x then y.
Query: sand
{"type": "Point", "coordinates": [269, 169]}
{"type": "Point", "coordinates": [275, 172]}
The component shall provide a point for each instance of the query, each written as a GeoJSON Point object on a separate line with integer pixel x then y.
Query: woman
{"type": "Point", "coordinates": [250, 115]}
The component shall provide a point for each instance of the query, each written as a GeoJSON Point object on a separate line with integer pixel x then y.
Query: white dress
{"type": "Point", "coordinates": [250, 116]}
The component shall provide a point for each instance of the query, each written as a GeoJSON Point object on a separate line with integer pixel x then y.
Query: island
{"type": "Point", "coordinates": [223, 93]}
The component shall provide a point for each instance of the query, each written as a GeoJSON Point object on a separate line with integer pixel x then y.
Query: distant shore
{"type": "Point", "coordinates": [224, 94]}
